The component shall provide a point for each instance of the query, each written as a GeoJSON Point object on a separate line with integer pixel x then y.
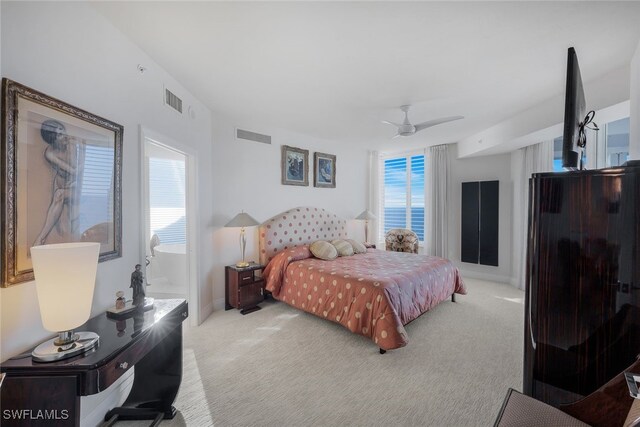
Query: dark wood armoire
{"type": "Point", "coordinates": [582, 299]}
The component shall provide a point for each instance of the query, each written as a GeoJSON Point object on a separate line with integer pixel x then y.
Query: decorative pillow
{"type": "Point", "coordinates": [358, 248]}
{"type": "Point", "coordinates": [344, 248]}
{"type": "Point", "coordinates": [323, 250]}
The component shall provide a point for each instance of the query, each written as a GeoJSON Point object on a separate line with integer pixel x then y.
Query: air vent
{"type": "Point", "coordinates": [172, 100]}
{"type": "Point", "coordinates": [252, 136]}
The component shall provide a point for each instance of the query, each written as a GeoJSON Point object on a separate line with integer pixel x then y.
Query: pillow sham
{"type": "Point", "coordinates": [344, 248]}
{"type": "Point", "coordinates": [323, 250]}
{"type": "Point", "coordinates": [358, 248]}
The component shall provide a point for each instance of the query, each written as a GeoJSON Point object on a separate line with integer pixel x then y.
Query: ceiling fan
{"type": "Point", "coordinates": [407, 129]}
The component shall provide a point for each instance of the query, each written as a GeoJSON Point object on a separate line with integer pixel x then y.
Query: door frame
{"type": "Point", "coordinates": [192, 214]}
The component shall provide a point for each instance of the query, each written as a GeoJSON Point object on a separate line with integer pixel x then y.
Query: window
{"type": "Point", "coordinates": [403, 194]}
{"type": "Point", "coordinates": [617, 142]}
{"type": "Point", "coordinates": [557, 155]}
{"type": "Point", "coordinates": [611, 146]}
{"type": "Point", "coordinates": [167, 199]}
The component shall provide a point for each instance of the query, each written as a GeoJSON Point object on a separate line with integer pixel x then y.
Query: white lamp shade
{"type": "Point", "coordinates": [242, 220]}
{"type": "Point", "coordinates": [366, 215]}
{"type": "Point", "coordinates": [65, 277]}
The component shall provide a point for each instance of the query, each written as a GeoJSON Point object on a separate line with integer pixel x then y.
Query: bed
{"type": "Point", "coordinates": [374, 294]}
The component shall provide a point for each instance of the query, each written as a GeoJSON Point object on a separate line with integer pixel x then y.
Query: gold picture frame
{"type": "Point", "coordinates": [62, 178]}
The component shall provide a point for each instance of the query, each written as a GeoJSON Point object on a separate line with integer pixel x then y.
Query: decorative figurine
{"type": "Point", "coordinates": [137, 283]}
{"type": "Point", "coordinates": [120, 301]}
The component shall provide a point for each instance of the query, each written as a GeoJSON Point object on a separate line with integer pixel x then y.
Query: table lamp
{"type": "Point", "coordinates": [65, 276]}
{"type": "Point", "coordinates": [242, 220]}
{"type": "Point", "coordinates": [366, 215]}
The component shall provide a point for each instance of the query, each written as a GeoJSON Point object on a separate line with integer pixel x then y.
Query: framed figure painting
{"type": "Point", "coordinates": [324, 166]}
{"type": "Point", "coordinates": [62, 170]}
{"type": "Point", "coordinates": [295, 166]}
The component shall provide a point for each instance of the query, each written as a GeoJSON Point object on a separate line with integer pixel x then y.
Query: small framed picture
{"type": "Point", "coordinates": [325, 170]}
{"type": "Point", "coordinates": [62, 169]}
{"type": "Point", "coordinates": [295, 166]}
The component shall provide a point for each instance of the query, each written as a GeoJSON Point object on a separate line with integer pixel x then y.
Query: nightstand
{"type": "Point", "coordinates": [244, 287]}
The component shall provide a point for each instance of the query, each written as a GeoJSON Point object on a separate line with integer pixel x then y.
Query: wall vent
{"type": "Point", "coordinates": [172, 100]}
{"type": "Point", "coordinates": [252, 136]}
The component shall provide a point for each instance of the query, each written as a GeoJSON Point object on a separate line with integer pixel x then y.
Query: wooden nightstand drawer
{"type": "Point", "coordinates": [245, 277]}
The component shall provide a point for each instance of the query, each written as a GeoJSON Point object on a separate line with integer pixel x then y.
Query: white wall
{"type": "Point", "coordinates": [541, 122]}
{"type": "Point", "coordinates": [70, 52]}
{"type": "Point", "coordinates": [484, 168]}
{"type": "Point", "coordinates": [634, 134]}
{"type": "Point", "coordinates": [246, 176]}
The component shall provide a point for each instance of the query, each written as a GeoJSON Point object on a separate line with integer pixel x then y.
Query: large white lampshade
{"type": "Point", "coordinates": [65, 276]}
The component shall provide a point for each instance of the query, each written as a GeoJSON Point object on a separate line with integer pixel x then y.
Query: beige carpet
{"type": "Point", "coordinates": [282, 367]}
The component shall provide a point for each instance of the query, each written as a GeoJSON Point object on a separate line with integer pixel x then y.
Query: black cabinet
{"type": "Point", "coordinates": [582, 302]}
{"type": "Point", "coordinates": [479, 222]}
{"type": "Point", "coordinates": [150, 341]}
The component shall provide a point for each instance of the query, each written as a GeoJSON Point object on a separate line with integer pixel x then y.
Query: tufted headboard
{"type": "Point", "coordinates": [297, 227]}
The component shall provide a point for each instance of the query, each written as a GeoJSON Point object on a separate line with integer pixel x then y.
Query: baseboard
{"type": "Point", "coordinates": [218, 304]}
{"type": "Point", "coordinates": [208, 309]}
{"type": "Point", "coordinates": [485, 276]}
{"type": "Point", "coordinates": [94, 407]}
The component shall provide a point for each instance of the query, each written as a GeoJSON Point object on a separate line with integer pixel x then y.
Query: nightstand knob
{"type": "Point", "coordinates": [123, 365]}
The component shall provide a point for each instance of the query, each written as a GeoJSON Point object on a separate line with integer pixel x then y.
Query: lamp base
{"type": "Point", "coordinates": [243, 264]}
{"type": "Point", "coordinates": [50, 352]}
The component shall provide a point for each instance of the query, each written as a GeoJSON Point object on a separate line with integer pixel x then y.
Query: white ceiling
{"type": "Point", "coordinates": [335, 70]}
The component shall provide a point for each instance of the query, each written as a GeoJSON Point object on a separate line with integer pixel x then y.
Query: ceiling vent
{"type": "Point", "coordinates": [172, 100]}
{"type": "Point", "coordinates": [252, 136]}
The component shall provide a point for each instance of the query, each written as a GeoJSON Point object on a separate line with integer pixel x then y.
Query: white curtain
{"type": "Point", "coordinates": [525, 162]}
{"type": "Point", "coordinates": [437, 200]}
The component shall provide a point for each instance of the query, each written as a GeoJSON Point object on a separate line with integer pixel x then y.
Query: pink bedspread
{"type": "Point", "coordinates": [373, 294]}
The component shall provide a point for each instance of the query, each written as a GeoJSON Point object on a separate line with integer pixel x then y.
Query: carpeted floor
{"type": "Point", "coordinates": [281, 367]}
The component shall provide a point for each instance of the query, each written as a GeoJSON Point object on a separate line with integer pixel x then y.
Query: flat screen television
{"type": "Point", "coordinates": [574, 115]}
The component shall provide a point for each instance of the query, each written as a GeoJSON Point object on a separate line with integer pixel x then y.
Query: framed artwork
{"type": "Point", "coordinates": [295, 166]}
{"type": "Point", "coordinates": [324, 166]}
{"type": "Point", "coordinates": [61, 179]}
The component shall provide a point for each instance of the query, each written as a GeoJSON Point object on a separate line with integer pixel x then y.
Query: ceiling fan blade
{"type": "Point", "coordinates": [391, 123]}
{"type": "Point", "coordinates": [430, 123]}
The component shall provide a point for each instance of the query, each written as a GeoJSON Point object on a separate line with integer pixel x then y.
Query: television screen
{"type": "Point", "coordinates": [574, 113]}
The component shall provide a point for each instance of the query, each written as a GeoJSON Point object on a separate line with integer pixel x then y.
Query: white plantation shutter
{"type": "Point", "coordinates": [417, 195]}
{"type": "Point", "coordinates": [401, 194]}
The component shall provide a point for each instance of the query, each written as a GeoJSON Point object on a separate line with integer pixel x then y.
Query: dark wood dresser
{"type": "Point", "coordinates": [582, 301]}
{"type": "Point", "coordinates": [44, 394]}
